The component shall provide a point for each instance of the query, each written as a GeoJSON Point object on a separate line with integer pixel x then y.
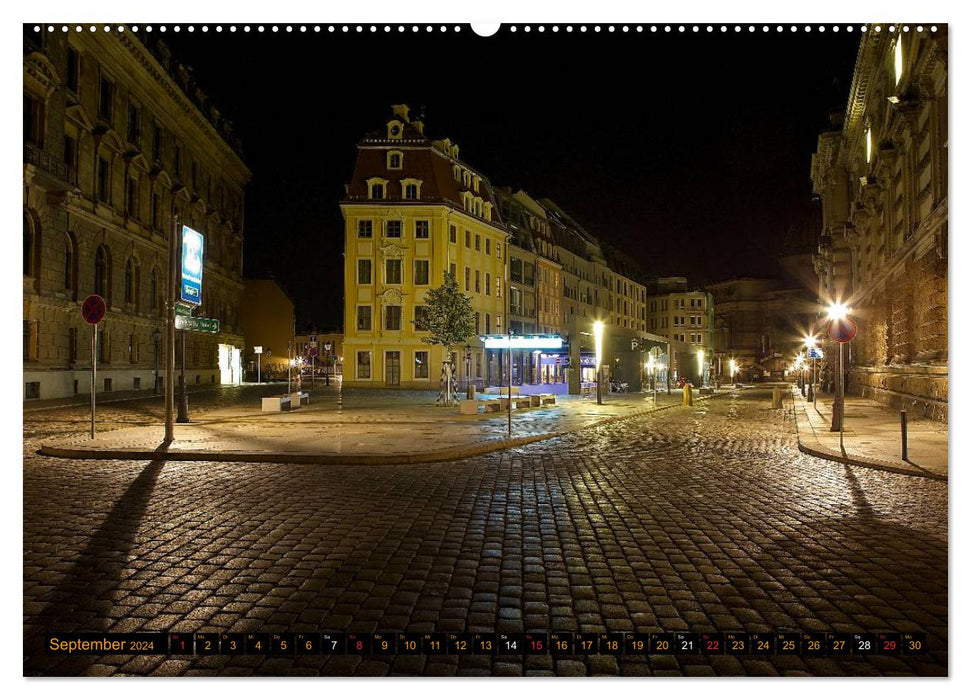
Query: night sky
{"type": "Point", "coordinates": [691, 152]}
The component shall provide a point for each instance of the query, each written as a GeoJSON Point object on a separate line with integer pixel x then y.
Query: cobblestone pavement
{"type": "Point", "coordinates": [697, 519]}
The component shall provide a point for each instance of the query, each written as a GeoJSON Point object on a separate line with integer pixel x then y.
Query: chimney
{"type": "Point", "coordinates": [401, 111]}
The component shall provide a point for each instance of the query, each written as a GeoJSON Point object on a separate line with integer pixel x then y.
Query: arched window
{"type": "Point", "coordinates": [131, 281]}
{"type": "Point", "coordinates": [70, 266]}
{"type": "Point", "coordinates": [153, 292]}
{"type": "Point", "coordinates": [28, 246]}
{"type": "Point", "coordinates": [102, 273]}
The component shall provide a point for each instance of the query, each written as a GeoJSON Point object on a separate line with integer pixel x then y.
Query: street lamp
{"type": "Point", "coordinates": [598, 336]}
{"type": "Point", "coordinates": [469, 390]}
{"type": "Point", "coordinates": [810, 348]}
{"type": "Point", "coordinates": [651, 367]}
{"type": "Point", "coordinates": [837, 312]}
{"type": "Point", "coordinates": [732, 369]}
{"type": "Point", "coordinates": [701, 366]}
{"type": "Point", "coordinates": [156, 339]}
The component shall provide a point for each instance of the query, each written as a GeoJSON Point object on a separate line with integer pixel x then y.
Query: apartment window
{"type": "Point", "coordinates": [131, 198]}
{"type": "Point", "coordinates": [421, 272]}
{"type": "Point", "coordinates": [478, 242]}
{"type": "Point", "coordinates": [365, 229]}
{"type": "Point", "coordinates": [177, 160]}
{"type": "Point", "coordinates": [421, 318]}
{"type": "Point", "coordinates": [363, 318]}
{"type": "Point", "coordinates": [194, 175]}
{"type": "Point", "coordinates": [364, 272]}
{"type": "Point", "coordinates": [392, 318]}
{"type": "Point", "coordinates": [478, 320]}
{"type": "Point", "coordinates": [452, 234]}
{"type": "Point", "coordinates": [488, 243]}
{"type": "Point", "coordinates": [377, 191]}
{"type": "Point", "coordinates": [33, 121]}
{"type": "Point", "coordinates": [133, 126]}
{"type": "Point", "coordinates": [421, 364]}
{"type": "Point", "coordinates": [71, 156]}
{"type": "Point", "coordinates": [156, 206]}
{"type": "Point", "coordinates": [468, 239]}
{"type": "Point", "coordinates": [131, 281]}
{"type": "Point", "coordinates": [153, 294]}
{"type": "Point", "coordinates": [73, 70]}
{"type": "Point", "coordinates": [499, 250]}
{"type": "Point", "coordinates": [104, 347]}
{"type": "Point", "coordinates": [102, 274]}
{"type": "Point", "coordinates": [488, 323]}
{"type": "Point", "coordinates": [70, 266]}
{"type": "Point", "coordinates": [468, 278]}
{"type": "Point", "coordinates": [156, 142]}
{"type": "Point", "coordinates": [488, 284]}
{"type": "Point", "coordinates": [516, 270]}
{"type": "Point", "coordinates": [478, 282]}
{"type": "Point", "coordinates": [392, 271]}
{"type": "Point", "coordinates": [394, 160]}
{"type": "Point", "coordinates": [104, 180]}
{"type": "Point", "coordinates": [394, 229]}
{"type": "Point", "coordinates": [364, 364]}
{"type": "Point", "coordinates": [105, 99]}
{"type": "Point", "coordinates": [452, 270]}
{"type": "Point", "coordinates": [411, 191]}
{"type": "Point", "coordinates": [422, 228]}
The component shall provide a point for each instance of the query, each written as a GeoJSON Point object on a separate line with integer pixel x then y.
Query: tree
{"type": "Point", "coordinates": [449, 321]}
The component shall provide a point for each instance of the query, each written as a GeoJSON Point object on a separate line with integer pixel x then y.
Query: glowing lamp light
{"type": "Point", "coordinates": [810, 342]}
{"type": "Point", "coordinates": [598, 337]}
{"type": "Point", "coordinates": [838, 311]}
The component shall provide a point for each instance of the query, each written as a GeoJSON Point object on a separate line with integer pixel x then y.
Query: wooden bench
{"type": "Point", "coordinates": [501, 390]}
{"type": "Point", "coordinates": [522, 401]}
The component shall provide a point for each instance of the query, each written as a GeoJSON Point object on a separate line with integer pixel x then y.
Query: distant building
{"type": "Point", "coordinates": [267, 321]}
{"type": "Point", "coordinates": [686, 318]}
{"type": "Point", "coordinates": [118, 143]}
{"type": "Point", "coordinates": [881, 173]}
{"type": "Point", "coordinates": [330, 349]}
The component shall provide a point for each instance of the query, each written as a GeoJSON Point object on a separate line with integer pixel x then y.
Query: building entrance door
{"type": "Point", "coordinates": [392, 368]}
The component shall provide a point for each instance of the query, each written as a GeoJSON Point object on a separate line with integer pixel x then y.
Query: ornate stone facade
{"type": "Point", "coordinates": [882, 178]}
{"type": "Point", "coordinates": [118, 142]}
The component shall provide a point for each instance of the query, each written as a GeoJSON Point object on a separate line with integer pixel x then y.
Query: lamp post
{"type": "Point", "coordinates": [732, 369]}
{"type": "Point", "coordinates": [598, 334]}
{"type": "Point", "coordinates": [839, 315]}
{"type": "Point", "coordinates": [469, 390]}
{"type": "Point", "coordinates": [156, 339]}
{"type": "Point", "coordinates": [810, 351]}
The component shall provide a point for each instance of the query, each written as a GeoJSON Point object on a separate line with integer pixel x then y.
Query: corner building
{"type": "Point", "coordinates": [118, 143]}
{"type": "Point", "coordinates": [881, 173]}
{"type": "Point", "coordinates": [412, 211]}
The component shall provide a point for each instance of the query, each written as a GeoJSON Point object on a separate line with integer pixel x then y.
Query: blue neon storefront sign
{"type": "Point", "coordinates": [190, 289]}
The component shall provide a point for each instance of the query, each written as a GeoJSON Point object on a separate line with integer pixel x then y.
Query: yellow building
{"type": "Point", "coordinates": [687, 317]}
{"type": "Point", "coordinates": [118, 142]}
{"type": "Point", "coordinates": [412, 211]}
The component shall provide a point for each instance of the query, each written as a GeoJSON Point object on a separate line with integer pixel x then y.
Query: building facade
{"type": "Point", "coordinates": [686, 318]}
{"type": "Point", "coordinates": [267, 321]}
{"type": "Point", "coordinates": [413, 211]}
{"type": "Point", "coordinates": [881, 174]}
{"type": "Point", "coordinates": [119, 144]}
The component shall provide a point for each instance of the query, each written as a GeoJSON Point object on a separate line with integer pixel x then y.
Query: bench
{"type": "Point", "coordinates": [275, 404]}
{"type": "Point", "coordinates": [501, 390]}
{"type": "Point", "coordinates": [522, 401]}
{"type": "Point", "coordinates": [543, 399]}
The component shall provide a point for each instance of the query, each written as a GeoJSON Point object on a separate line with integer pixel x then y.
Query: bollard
{"type": "Point", "coordinates": [688, 398]}
{"type": "Point", "coordinates": [903, 434]}
{"type": "Point", "coordinates": [776, 397]}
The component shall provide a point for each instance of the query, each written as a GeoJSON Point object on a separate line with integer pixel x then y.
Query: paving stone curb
{"type": "Point", "coordinates": [453, 453]}
{"type": "Point", "coordinates": [816, 450]}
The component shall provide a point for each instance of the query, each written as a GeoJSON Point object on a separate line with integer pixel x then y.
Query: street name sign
{"type": "Point", "coordinates": [93, 309]}
{"type": "Point", "coordinates": [197, 323]}
{"type": "Point", "coordinates": [183, 309]}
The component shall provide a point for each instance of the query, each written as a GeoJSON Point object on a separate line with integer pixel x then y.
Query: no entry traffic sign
{"type": "Point", "coordinates": [842, 330]}
{"type": "Point", "coordinates": [93, 309]}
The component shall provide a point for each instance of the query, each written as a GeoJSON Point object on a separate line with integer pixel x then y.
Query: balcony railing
{"type": "Point", "coordinates": [48, 163]}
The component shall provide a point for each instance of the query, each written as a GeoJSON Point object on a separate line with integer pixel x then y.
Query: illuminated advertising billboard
{"type": "Point", "coordinates": [190, 288]}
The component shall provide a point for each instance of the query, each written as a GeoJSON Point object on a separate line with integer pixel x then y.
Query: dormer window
{"type": "Point", "coordinates": [475, 183]}
{"type": "Point", "coordinates": [457, 172]}
{"type": "Point", "coordinates": [487, 211]}
{"type": "Point", "coordinates": [395, 159]}
{"type": "Point", "coordinates": [376, 188]}
{"type": "Point", "coordinates": [411, 188]}
{"type": "Point", "coordinates": [394, 129]}
{"type": "Point", "coordinates": [466, 177]}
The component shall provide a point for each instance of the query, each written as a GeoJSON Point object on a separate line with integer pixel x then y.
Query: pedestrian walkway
{"type": "Point", "coordinates": [871, 436]}
{"type": "Point", "coordinates": [356, 427]}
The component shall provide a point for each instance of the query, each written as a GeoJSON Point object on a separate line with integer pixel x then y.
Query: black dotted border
{"type": "Point", "coordinates": [510, 28]}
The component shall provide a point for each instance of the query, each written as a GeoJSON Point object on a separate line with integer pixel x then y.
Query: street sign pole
{"type": "Point", "coordinates": [259, 366]}
{"type": "Point", "coordinates": [94, 372]}
{"type": "Point", "coordinates": [170, 333]}
{"type": "Point", "coordinates": [313, 371]}
{"type": "Point", "coordinates": [183, 416]}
